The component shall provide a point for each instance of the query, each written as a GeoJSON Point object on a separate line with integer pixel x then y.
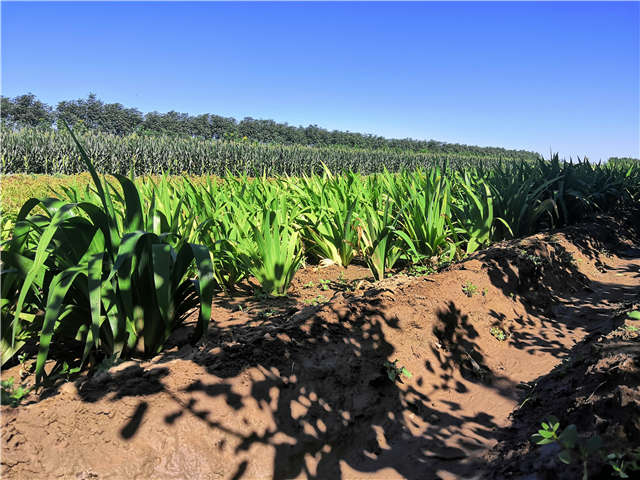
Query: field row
{"type": "Point", "coordinates": [47, 151]}
{"type": "Point", "coordinates": [102, 269]}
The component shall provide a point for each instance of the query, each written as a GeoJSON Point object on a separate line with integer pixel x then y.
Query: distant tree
{"type": "Point", "coordinates": [170, 123]}
{"type": "Point", "coordinates": [152, 122]}
{"type": "Point", "coordinates": [89, 111]}
{"type": "Point", "coordinates": [222, 126]}
{"type": "Point", "coordinates": [6, 107]}
{"type": "Point", "coordinates": [92, 113]}
{"type": "Point", "coordinates": [119, 120]}
{"type": "Point", "coordinates": [247, 128]}
{"type": "Point", "coordinates": [26, 110]}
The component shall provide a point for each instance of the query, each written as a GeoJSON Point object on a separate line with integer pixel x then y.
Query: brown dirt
{"type": "Point", "coordinates": [297, 388]}
{"type": "Point", "coordinates": [597, 390]}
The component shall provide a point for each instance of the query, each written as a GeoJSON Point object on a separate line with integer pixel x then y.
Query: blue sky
{"type": "Point", "coordinates": [518, 75]}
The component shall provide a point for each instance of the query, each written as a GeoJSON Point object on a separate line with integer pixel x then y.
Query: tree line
{"type": "Point", "coordinates": [114, 118]}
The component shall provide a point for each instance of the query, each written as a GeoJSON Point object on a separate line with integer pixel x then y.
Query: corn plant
{"type": "Point", "coordinates": [473, 212]}
{"type": "Point", "coordinates": [380, 245]}
{"type": "Point", "coordinates": [90, 277]}
{"type": "Point", "coordinates": [520, 194]}
{"type": "Point", "coordinates": [278, 253]}
{"type": "Point", "coordinates": [329, 225]}
{"type": "Point", "coordinates": [229, 241]}
{"type": "Point", "coordinates": [426, 225]}
{"type": "Point", "coordinates": [50, 152]}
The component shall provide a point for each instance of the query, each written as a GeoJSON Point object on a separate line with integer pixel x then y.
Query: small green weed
{"type": "Point", "coordinates": [266, 314]}
{"type": "Point", "coordinates": [572, 445]}
{"type": "Point", "coordinates": [469, 289]}
{"type": "Point", "coordinates": [394, 372]}
{"type": "Point", "coordinates": [324, 284]}
{"type": "Point", "coordinates": [65, 371]}
{"type": "Point", "coordinates": [11, 394]}
{"type": "Point", "coordinates": [621, 461]}
{"type": "Point", "coordinates": [420, 270]}
{"type": "Point", "coordinates": [579, 448]}
{"type": "Point", "coordinates": [316, 301]}
{"type": "Point", "coordinates": [634, 315]}
{"type": "Point", "coordinates": [535, 259]}
{"type": "Point", "coordinates": [343, 284]}
{"type": "Point", "coordinates": [499, 333]}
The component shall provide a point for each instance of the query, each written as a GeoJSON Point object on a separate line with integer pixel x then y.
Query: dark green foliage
{"type": "Point", "coordinates": [26, 111]}
{"type": "Point", "coordinates": [394, 372]}
{"type": "Point", "coordinates": [49, 151]}
{"type": "Point", "coordinates": [585, 449]}
{"type": "Point", "coordinates": [114, 118]}
{"type": "Point", "coordinates": [95, 115]}
{"type": "Point", "coordinates": [12, 394]}
{"type": "Point", "coordinates": [103, 277]}
{"type": "Point", "coordinates": [103, 272]}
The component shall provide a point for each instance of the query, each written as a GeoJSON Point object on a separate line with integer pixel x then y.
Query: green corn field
{"type": "Point", "coordinates": [47, 151]}
{"type": "Point", "coordinates": [102, 271]}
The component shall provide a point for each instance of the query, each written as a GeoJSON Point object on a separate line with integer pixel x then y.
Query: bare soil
{"type": "Point", "coordinates": [598, 390]}
{"type": "Point", "coordinates": [298, 388]}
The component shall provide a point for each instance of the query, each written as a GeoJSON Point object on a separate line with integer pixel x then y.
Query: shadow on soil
{"type": "Point", "coordinates": [327, 389]}
{"type": "Point", "coordinates": [597, 390]}
{"type": "Point", "coordinates": [545, 278]}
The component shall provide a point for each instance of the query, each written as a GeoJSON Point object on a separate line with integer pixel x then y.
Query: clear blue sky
{"type": "Point", "coordinates": [518, 75]}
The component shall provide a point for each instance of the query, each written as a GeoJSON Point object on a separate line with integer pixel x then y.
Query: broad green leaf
{"type": "Point", "coordinates": [57, 291]}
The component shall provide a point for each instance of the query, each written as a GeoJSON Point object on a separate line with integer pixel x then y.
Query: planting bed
{"type": "Point", "coordinates": [300, 387]}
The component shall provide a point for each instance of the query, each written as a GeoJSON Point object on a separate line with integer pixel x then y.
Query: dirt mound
{"type": "Point", "coordinates": [307, 387]}
{"type": "Point", "coordinates": [598, 391]}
